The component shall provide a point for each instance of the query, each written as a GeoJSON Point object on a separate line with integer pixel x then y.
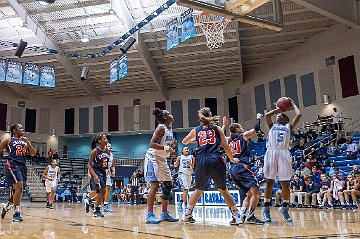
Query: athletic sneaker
{"type": "Point", "coordinates": [98, 214]}
{"type": "Point", "coordinates": [253, 220]}
{"type": "Point", "coordinates": [47, 204]}
{"type": "Point", "coordinates": [87, 205]}
{"type": "Point", "coordinates": [151, 219]}
{"type": "Point", "coordinates": [5, 209]}
{"type": "Point", "coordinates": [180, 208]}
{"type": "Point", "coordinates": [17, 217]}
{"type": "Point", "coordinates": [165, 216]}
{"type": "Point", "coordinates": [51, 206]}
{"type": "Point", "coordinates": [343, 207]}
{"type": "Point", "coordinates": [266, 214]}
{"type": "Point", "coordinates": [238, 221]}
{"type": "Point", "coordinates": [107, 209]}
{"type": "Point", "coordinates": [188, 218]}
{"type": "Point", "coordinates": [285, 212]}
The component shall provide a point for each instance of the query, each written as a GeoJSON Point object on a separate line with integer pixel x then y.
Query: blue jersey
{"type": "Point", "coordinates": [239, 149]}
{"type": "Point", "coordinates": [101, 160]}
{"type": "Point", "coordinates": [17, 151]}
{"type": "Point", "coordinates": [208, 140]}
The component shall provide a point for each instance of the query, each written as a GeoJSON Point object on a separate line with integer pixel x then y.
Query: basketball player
{"type": "Point", "coordinates": [97, 166]}
{"type": "Point", "coordinates": [156, 169]}
{"type": "Point", "coordinates": [240, 173]}
{"type": "Point", "coordinates": [51, 175]}
{"type": "Point", "coordinates": [15, 168]}
{"type": "Point", "coordinates": [277, 160]}
{"type": "Point", "coordinates": [209, 162]}
{"type": "Point", "coordinates": [186, 166]}
{"type": "Point", "coordinates": [110, 173]}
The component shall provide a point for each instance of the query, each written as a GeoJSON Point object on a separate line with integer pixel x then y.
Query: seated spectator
{"type": "Point", "coordinates": [315, 175]}
{"type": "Point", "coordinates": [116, 194]}
{"type": "Point", "coordinates": [304, 171]}
{"type": "Point", "coordinates": [344, 196]}
{"type": "Point", "coordinates": [351, 149]}
{"type": "Point", "coordinates": [67, 194]}
{"type": "Point", "coordinates": [342, 140]}
{"type": "Point", "coordinates": [355, 192]}
{"type": "Point", "coordinates": [329, 131]}
{"type": "Point", "coordinates": [59, 194]}
{"type": "Point", "coordinates": [355, 169]}
{"type": "Point", "coordinates": [73, 195]}
{"type": "Point", "coordinates": [296, 190]}
{"type": "Point", "coordinates": [332, 169]}
{"type": "Point", "coordinates": [302, 144]}
{"type": "Point", "coordinates": [310, 161]}
{"type": "Point", "coordinates": [324, 193]}
{"type": "Point", "coordinates": [311, 191]}
{"type": "Point", "coordinates": [332, 150]}
{"type": "Point", "coordinates": [260, 136]}
{"type": "Point", "coordinates": [339, 173]}
{"type": "Point", "coordinates": [321, 151]}
{"type": "Point", "coordinates": [337, 186]}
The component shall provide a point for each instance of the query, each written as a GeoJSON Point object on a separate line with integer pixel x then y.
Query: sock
{"type": "Point", "coordinates": [163, 208]}
{"type": "Point", "coordinates": [106, 204]}
{"type": "Point", "coordinates": [266, 202]}
{"type": "Point", "coordinates": [285, 203]}
{"type": "Point", "coordinates": [330, 203]}
{"type": "Point", "coordinates": [234, 211]}
{"type": "Point", "coordinates": [17, 209]}
{"type": "Point", "coordinates": [319, 202]}
{"type": "Point", "coordinates": [185, 203]}
{"type": "Point", "coordinates": [98, 208]}
{"type": "Point", "coordinates": [150, 208]}
{"type": "Point", "coordinates": [243, 210]}
{"type": "Point", "coordinates": [251, 211]}
{"type": "Point", "coordinates": [342, 203]}
{"type": "Point", "coordinates": [189, 210]}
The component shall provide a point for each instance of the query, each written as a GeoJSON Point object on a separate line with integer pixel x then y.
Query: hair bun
{"type": "Point", "coordinates": [156, 111]}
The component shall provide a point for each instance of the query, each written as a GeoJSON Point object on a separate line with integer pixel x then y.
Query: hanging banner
{"type": "Point", "coordinates": [113, 71]}
{"type": "Point", "coordinates": [31, 74]}
{"type": "Point", "coordinates": [187, 25]}
{"type": "Point", "coordinates": [172, 34]}
{"type": "Point", "coordinates": [123, 67]}
{"type": "Point", "coordinates": [2, 69]}
{"type": "Point", "coordinates": [47, 78]}
{"type": "Point", "coordinates": [14, 72]}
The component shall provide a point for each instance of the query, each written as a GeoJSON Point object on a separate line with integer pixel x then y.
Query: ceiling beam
{"type": "Point", "coordinates": [122, 11]}
{"type": "Point", "coordinates": [342, 11]}
{"type": "Point", "coordinates": [41, 34]}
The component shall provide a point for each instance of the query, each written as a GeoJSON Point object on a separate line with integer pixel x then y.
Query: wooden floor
{"type": "Point", "coordinates": [70, 221]}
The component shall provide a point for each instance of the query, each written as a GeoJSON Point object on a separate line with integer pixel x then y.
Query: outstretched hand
{"type": "Point", "coordinates": [225, 120]}
{"type": "Point", "coordinates": [258, 116]}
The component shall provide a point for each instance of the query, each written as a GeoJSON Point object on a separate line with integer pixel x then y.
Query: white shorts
{"type": "Point", "coordinates": [185, 181]}
{"type": "Point", "coordinates": [156, 169]}
{"type": "Point", "coordinates": [278, 163]}
{"type": "Point", "coordinates": [108, 181]}
{"type": "Point", "coordinates": [49, 185]}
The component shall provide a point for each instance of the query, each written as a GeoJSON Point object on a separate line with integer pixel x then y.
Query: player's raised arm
{"type": "Point", "coordinates": [225, 124]}
{"type": "Point", "coordinates": [225, 145]}
{"type": "Point", "coordinates": [269, 114]}
{"type": "Point", "coordinates": [248, 134]}
{"type": "Point", "coordinates": [189, 138]}
{"type": "Point", "coordinates": [297, 117]}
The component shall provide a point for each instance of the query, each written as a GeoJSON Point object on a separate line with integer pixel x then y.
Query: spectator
{"type": "Point", "coordinates": [337, 186]}
{"type": "Point", "coordinates": [332, 150]}
{"type": "Point", "coordinates": [345, 203]}
{"type": "Point", "coordinates": [324, 193]}
{"type": "Point", "coordinates": [342, 140]}
{"type": "Point", "coordinates": [311, 191]}
{"type": "Point", "coordinates": [332, 169]}
{"type": "Point", "coordinates": [310, 162]}
{"type": "Point", "coordinates": [134, 188]}
{"type": "Point", "coordinates": [73, 194]}
{"type": "Point", "coordinates": [116, 194]}
{"type": "Point", "coordinates": [351, 149]}
{"type": "Point", "coordinates": [296, 189]}
{"type": "Point", "coordinates": [67, 194]}
{"type": "Point", "coordinates": [355, 192]}
{"type": "Point", "coordinates": [260, 136]}
{"type": "Point", "coordinates": [321, 151]}
{"type": "Point", "coordinates": [315, 175]}
{"type": "Point", "coordinates": [59, 194]}
{"type": "Point", "coordinates": [337, 119]}
{"type": "Point", "coordinates": [50, 154]}
{"type": "Point", "coordinates": [302, 144]}
{"type": "Point", "coordinates": [355, 169]}
{"type": "Point", "coordinates": [329, 131]}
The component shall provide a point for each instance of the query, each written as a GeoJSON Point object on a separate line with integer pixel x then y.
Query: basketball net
{"type": "Point", "coordinates": [213, 28]}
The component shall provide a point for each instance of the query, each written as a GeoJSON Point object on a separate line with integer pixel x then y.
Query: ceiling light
{"type": "Point", "coordinates": [85, 38]}
{"type": "Point", "coordinates": [45, 2]}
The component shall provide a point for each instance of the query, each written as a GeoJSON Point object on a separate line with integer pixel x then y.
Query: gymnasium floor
{"type": "Point", "coordinates": [70, 221]}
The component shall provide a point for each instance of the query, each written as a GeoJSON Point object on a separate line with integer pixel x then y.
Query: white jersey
{"type": "Point", "coordinates": [184, 166]}
{"type": "Point", "coordinates": [111, 159]}
{"type": "Point", "coordinates": [53, 172]}
{"type": "Point", "coordinates": [166, 140]}
{"type": "Point", "coordinates": [279, 137]}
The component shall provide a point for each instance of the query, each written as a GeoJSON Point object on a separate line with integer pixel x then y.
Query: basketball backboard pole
{"type": "Point", "coordinates": [220, 10]}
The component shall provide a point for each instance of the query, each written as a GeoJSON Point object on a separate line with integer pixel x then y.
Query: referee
{"type": "Point", "coordinates": [134, 180]}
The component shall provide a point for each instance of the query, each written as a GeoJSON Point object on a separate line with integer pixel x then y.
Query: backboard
{"type": "Point", "coordinates": [238, 10]}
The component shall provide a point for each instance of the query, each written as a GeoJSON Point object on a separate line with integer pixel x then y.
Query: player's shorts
{"type": "Point", "coordinates": [156, 169]}
{"type": "Point", "coordinates": [102, 181]}
{"type": "Point", "coordinates": [210, 166]}
{"type": "Point", "coordinates": [108, 181]}
{"type": "Point", "coordinates": [18, 172]}
{"type": "Point", "coordinates": [278, 162]}
{"type": "Point", "coordinates": [49, 185]}
{"type": "Point", "coordinates": [243, 177]}
{"type": "Point", "coordinates": [185, 181]}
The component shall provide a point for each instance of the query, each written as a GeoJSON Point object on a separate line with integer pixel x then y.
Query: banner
{"type": "Point", "coordinates": [14, 72]}
{"type": "Point", "coordinates": [2, 69]}
{"type": "Point", "coordinates": [47, 78]}
{"type": "Point", "coordinates": [187, 25]}
{"type": "Point", "coordinates": [211, 198]}
{"type": "Point", "coordinates": [172, 34]}
{"type": "Point", "coordinates": [31, 74]}
{"type": "Point", "coordinates": [113, 71]}
{"type": "Point", "coordinates": [123, 67]}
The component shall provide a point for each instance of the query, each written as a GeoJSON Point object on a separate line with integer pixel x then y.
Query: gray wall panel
{"type": "Point", "coordinates": [98, 119]}
{"type": "Point", "coordinates": [291, 88]}
{"type": "Point", "coordinates": [308, 89]}
{"type": "Point", "coordinates": [44, 126]}
{"type": "Point", "coordinates": [275, 92]}
{"type": "Point", "coordinates": [327, 85]}
{"type": "Point", "coordinates": [144, 117]}
{"type": "Point", "coordinates": [128, 118]}
{"type": "Point", "coordinates": [260, 100]}
{"type": "Point", "coordinates": [83, 120]}
{"type": "Point", "coordinates": [193, 108]}
{"type": "Point", "coordinates": [177, 112]}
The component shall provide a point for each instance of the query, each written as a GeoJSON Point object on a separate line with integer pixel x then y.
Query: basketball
{"type": "Point", "coordinates": [284, 103]}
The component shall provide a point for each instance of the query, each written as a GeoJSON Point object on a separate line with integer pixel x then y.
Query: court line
{"type": "Point", "coordinates": [106, 227]}
{"type": "Point", "coordinates": [337, 235]}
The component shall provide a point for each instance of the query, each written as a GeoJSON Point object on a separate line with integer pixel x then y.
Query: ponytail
{"type": "Point", "coordinates": [14, 126]}
{"type": "Point", "coordinates": [205, 116]}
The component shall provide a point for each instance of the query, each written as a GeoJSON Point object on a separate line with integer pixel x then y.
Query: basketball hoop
{"type": "Point", "coordinates": [213, 27]}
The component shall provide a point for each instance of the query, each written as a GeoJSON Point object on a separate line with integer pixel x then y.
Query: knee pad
{"type": "Point", "coordinates": [166, 190]}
